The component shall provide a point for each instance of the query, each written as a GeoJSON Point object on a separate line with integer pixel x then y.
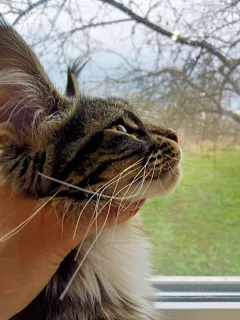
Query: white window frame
{"type": "Point", "coordinates": [188, 293]}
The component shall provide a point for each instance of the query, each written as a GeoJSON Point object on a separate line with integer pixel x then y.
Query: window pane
{"type": "Point", "coordinates": [178, 62]}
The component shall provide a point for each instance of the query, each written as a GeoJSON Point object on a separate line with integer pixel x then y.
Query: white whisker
{"type": "Point", "coordinates": [84, 257]}
{"type": "Point", "coordinates": [134, 180]}
{"type": "Point", "coordinates": [25, 222]}
{"type": "Point", "coordinates": [79, 188]}
{"type": "Point", "coordinates": [173, 171]}
{"type": "Point", "coordinates": [144, 172]}
{"type": "Point", "coordinates": [148, 183]}
{"type": "Point", "coordinates": [166, 155]}
{"type": "Point", "coordinates": [104, 187]}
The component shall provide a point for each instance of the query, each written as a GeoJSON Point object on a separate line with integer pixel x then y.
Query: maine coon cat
{"type": "Point", "coordinates": [84, 151]}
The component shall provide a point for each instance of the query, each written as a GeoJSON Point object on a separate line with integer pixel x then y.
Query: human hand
{"type": "Point", "coordinates": [31, 256]}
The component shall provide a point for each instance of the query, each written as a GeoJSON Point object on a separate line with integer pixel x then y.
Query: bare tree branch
{"type": "Point", "coordinates": [193, 43]}
{"type": "Point", "coordinates": [198, 70]}
{"type": "Point", "coordinates": [30, 8]}
{"type": "Point", "coordinates": [65, 34]}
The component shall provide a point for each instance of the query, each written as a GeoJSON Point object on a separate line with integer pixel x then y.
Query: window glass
{"type": "Point", "coordinates": [179, 62]}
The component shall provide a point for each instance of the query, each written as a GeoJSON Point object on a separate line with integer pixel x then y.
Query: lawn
{"type": "Point", "coordinates": [196, 230]}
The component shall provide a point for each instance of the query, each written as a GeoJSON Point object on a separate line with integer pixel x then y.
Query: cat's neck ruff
{"type": "Point", "coordinates": [119, 263]}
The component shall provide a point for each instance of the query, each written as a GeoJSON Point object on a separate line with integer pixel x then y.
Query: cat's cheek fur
{"type": "Point", "coordinates": [118, 263]}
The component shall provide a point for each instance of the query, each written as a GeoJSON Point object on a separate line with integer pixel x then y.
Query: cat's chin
{"type": "Point", "coordinates": [160, 186]}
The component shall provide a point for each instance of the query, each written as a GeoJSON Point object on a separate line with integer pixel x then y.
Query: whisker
{"type": "Point", "coordinates": [144, 172]}
{"type": "Point", "coordinates": [108, 208]}
{"type": "Point", "coordinates": [159, 173]}
{"type": "Point", "coordinates": [93, 219]}
{"type": "Point", "coordinates": [91, 223]}
{"type": "Point", "coordinates": [104, 187]}
{"type": "Point", "coordinates": [84, 258]}
{"type": "Point", "coordinates": [99, 195]}
{"type": "Point", "coordinates": [3, 181]}
{"type": "Point", "coordinates": [119, 208]}
{"type": "Point", "coordinates": [143, 180]}
{"type": "Point", "coordinates": [25, 222]}
{"type": "Point", "coordinates": [140, 188]}
{"type": "Point", "coordinates": [79, 188]}
{"type": "Point", "coordinates": [173, 171]}
{"type": "Point", "coordinates": [166, 155]}
{"type": "Point", "coordinates": [148, 183]}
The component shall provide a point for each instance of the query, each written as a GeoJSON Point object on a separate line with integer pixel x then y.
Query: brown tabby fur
{"type": "Point", "coordinates": [81, 141]}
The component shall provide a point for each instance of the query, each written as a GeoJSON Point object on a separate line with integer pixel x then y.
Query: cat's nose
{"type": "Point", "coordinates": [172, 135]}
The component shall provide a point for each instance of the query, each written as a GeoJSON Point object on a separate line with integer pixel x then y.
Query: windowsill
{"type": "Point", "coordinates": [196, 293]}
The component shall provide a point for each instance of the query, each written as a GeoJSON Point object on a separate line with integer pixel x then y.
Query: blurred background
{"type": "Point", "coordinates": [179, 62]}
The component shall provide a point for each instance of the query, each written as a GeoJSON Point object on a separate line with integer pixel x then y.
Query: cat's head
{"type": "Point", "coordinates": [89, 143]}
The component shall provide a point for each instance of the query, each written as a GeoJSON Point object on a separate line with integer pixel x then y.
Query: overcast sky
{"type": "Point", "coordinates": [114, 37]}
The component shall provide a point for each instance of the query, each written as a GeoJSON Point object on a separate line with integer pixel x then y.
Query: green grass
{"type": "Point", "coordinates": [196, 230]}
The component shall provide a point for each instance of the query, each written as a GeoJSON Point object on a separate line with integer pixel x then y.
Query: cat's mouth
{"type": "Point", "coordinates": [163, 172]}
{"type": "Point", "coordinates": [160, 179]}
{"type": "Point", "coordinates": [156, 176]}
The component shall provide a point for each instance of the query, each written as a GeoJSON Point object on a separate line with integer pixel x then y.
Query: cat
{"type": "Point", "coordinates": [83, 151]}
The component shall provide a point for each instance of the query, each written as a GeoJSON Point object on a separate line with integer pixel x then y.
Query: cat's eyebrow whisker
{"type": "Point", "coordinates": [26, 221]}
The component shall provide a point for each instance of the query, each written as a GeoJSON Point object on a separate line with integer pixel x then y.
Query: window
{"type": "Point", "coordinates": [179, 62]}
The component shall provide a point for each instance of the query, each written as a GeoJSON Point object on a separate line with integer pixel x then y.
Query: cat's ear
{"type": "Point", "coordinates": [74, 70]}
{"type": "Point", "coordinates": [27, 96]}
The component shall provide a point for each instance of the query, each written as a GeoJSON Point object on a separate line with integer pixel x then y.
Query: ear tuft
{"type": "Point", "coordinates": [74, 70]}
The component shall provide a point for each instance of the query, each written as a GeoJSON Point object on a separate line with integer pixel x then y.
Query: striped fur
{"type": "Point", "coordinates": [84, 142]}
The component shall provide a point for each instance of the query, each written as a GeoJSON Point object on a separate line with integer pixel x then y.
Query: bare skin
{"type": "Point", "coordinates": [29, 258]}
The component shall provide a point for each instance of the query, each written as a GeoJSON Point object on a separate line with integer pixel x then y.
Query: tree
{"type": "Point", "coordinates": [193, 45]}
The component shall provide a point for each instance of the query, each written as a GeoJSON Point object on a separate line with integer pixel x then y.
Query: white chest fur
{"type": "Point", "coordinates": [119, 262]}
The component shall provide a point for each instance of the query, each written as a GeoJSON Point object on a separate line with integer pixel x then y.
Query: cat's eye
{"type": "Point", "coordinates": [121, 128]}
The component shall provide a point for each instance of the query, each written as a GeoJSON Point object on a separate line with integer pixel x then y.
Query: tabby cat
{"type": "Point", "coordinates": [83, 150]}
